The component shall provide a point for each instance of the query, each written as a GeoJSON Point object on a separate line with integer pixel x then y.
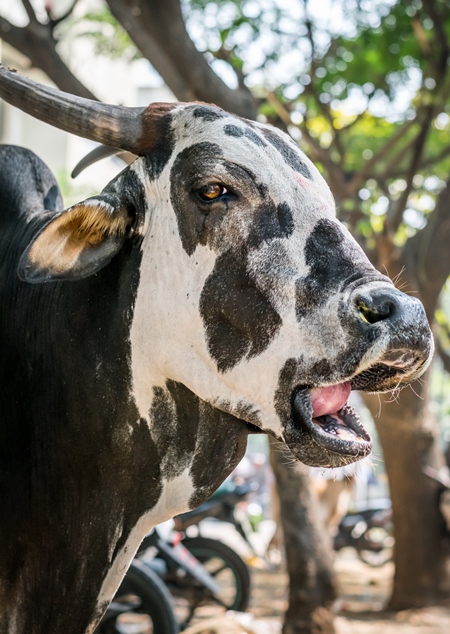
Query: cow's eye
{"type": "Point", "coordinates": [213, 191]}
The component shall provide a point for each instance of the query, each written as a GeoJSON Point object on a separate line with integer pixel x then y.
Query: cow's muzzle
{"type": "Point", "coordinates": [403, 343]}
{"type": "Point", "coordinates": [396, 347]}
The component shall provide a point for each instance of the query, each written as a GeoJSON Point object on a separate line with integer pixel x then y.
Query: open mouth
{"type": "Point", "coordinates": [324, 416]}
{"type": "Point", "coordinates": [324, 430]}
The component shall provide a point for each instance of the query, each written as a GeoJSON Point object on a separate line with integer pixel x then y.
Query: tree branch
{"type": "Point", "coordinates": [438, 24]}
{"type": "Point", "coordinates": [335, 174]}
{"type": "Point", "coordinates": [432, 160]}
{"type": "Point", "coordinates": [30, 11]}
{"type": "Point", "coordinates": [158, 30]}
{"type": "Point", "coordinates": [421, 37]}
{"type": "Point", "coordinates": [393, 221]}
{"type": "Point", "coordinates": [356, 120]}
{"type": "Point", "coordinates": [379, 156]}
{"type": "Point", "coordinates": [311, 89]}
{"type": "Point", "coordinates": [427, 255]}
{"type": "Point", "coordinates": [396, 160]}
{"type": "Point", "coordinates": [326, 111]}
{"type": "Point", "coordinates": [53, 22]}
{"type": "Point", "coordinates": [226, 55]}
{"type": "Point", "coordinates": [36, 42]}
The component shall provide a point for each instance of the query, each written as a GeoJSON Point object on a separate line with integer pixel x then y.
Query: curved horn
{"type": "Point", "coordinates": [117, 126]}
{"type": "Point", "coordinates": [97, 154]}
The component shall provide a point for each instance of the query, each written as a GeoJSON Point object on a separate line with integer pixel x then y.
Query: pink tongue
{"type": "Point", "coordinates": [329, 400]}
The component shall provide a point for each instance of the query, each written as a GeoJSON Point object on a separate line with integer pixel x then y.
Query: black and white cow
{"type": "Point", "coordinates": [207, 291]}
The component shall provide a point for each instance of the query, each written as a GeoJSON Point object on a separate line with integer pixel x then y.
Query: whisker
{"type": "Point", "coordinates": [418, 395]}
{"type": "Point", "coordinates": [379, 406]}
{"type": "Point", "coordinates": [398, 276]}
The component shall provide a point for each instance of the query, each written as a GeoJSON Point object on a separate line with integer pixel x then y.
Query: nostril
{"type": "Point", "coordinates": [375, 308]}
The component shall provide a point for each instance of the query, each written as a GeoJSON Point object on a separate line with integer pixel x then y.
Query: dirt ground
{"type": "Point", "coordinates": [364, 591]}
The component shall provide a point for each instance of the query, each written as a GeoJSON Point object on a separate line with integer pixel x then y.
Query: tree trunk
{"type": "Point", "coordinates": [312, 588]}
{"type": "Point", "coordinates": [408, 437]}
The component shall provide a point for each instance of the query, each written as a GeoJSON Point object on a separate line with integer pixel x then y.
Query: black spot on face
{"type": "Point", "coordinates": [208, 113]}
{"type": "Point", "coordinates": [253, 136]}
{"type": "Point", "coordinates": [291, 156]}
{"type": "Point", "coordinates": [236, 131]}
{"type": "Point", "coordinates": [233, 130]}
{"type": "Point", "coordinates": [188, 171]}
{"type": "Point", "coordinates": [334, 261]}
{"type": "Point", "coordinates": [239, 320]}
{"type": "Point", "coordinates": [271, 222]}
{"type": "Point", "coordinates": [285, 219]}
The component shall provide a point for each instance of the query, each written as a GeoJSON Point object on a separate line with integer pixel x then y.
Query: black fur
{"type": "Point", "coordinates": [334, 262]}
{"type": "Point", "coordinates": [290, 154]}
{"type": "Point", "coordinates": [188, 431]}
{"type": "Point", "coordinates": [67, 459]}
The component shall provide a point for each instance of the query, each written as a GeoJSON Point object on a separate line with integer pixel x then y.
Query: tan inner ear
{"type": "Point", "coordinates": [81, 227]}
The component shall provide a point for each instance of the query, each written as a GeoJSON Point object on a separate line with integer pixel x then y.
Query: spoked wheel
{"type": "Point", "coordinates": [382, 547]}
{"type": "Point", "coordinates": [142, 605]}
{"type": "Point", "coordinates": [228, 569]}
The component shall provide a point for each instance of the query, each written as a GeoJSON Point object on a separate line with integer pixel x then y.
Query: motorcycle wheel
{"type": "Point", "coordinates": [380, 548]}
{"type": "Point", "coordinates": [376, 558]}
{"type": "Point", "coordinates": [227, 567]}
{"type": "Point", "coordinates": [147, 605]}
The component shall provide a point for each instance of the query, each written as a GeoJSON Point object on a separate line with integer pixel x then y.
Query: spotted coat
{"type": "Point", "coordinates": [147, 330]}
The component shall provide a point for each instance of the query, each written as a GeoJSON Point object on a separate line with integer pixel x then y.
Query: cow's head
{"type": "Point", "coordinates": [251, 293]}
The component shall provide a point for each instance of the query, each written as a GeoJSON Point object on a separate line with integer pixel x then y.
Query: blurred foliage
{"type": "Point", "coordinates": [71, 191]}
{"type": "Point", "coordinates": [362, 74]}
{"type": "Point", "coordinates": [109, 38]}
{"type": "Point", "coordinates": [357, 82]}
{"type": "Point", "coordinates": [362, 85]}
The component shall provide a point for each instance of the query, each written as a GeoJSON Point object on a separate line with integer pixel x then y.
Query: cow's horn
{"type": "Point", "coordinates": [97, 154]}
{"type": "Point", "coordinates": [117, 126]}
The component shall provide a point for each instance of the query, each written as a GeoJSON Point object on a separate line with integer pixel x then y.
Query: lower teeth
{"type": "Point", "coordinates": [335, 427]}
{"type": "Point", "coordinates": [328, 424]}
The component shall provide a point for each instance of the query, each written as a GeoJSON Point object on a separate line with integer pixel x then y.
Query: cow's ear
{"type": "Point", "coordinates": [76, 243]}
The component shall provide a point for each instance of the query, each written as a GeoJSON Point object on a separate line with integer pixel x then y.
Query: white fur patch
{"type": "Point", "coordinates": [173, 500]}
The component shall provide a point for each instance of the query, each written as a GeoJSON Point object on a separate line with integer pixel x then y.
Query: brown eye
{"type": "Point", "coordinates": [212, 191]}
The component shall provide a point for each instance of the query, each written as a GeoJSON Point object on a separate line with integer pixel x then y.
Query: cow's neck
{"type": "Point", "coordinates": [115, 474]}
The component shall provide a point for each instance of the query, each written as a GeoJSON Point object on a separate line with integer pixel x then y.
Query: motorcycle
{"type": "Point", "coordinates": [222, 506]}
{"type": "Point", "coordinates": [198, 570]}
{"type": "Point", "coordinates": [369, 530]}
{"type": "Point", "coordinates": [142, 603]}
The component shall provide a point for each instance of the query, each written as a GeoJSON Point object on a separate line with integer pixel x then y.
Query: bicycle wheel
{"type": "Point", "coordinates": [228, 569]}
{"type": "Point", "coordinates": [146, 604]}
